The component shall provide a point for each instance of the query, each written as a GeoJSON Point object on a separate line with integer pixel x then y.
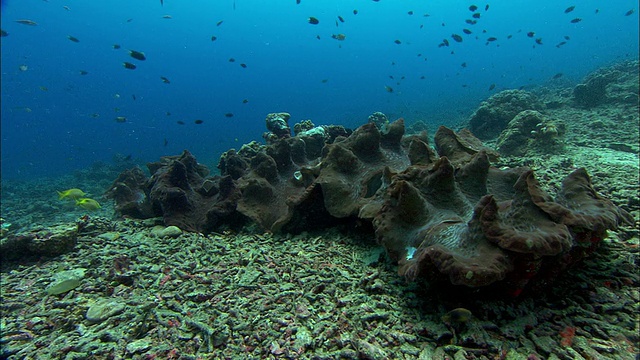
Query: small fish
{"type": "Point", "coordinates": [27, 22]}
{"type": "Point", "coordinates": [73, 38]}
{"type": "Point", "coordinates": [23, 67]}
{"type": "Point", "coordinates": [165, 80]}
{"type": "Point", "coordinates": [410, 12]}
{"type": "Point", "coordinates": [324, 81]}
{"type": "Point", "coordinates": [83, 72]}
{"type": "Point", "coordinates": [339, 37]}
{"type": "Point", "coordinates": [464, 65]}
{"type": "Point", "coordinates": [121, 119]}
{"type": "Point", "coordinates": [166, 141]}
{"type": "Point", "coordinates": [3, 33]}
{"type": "Point", "coordinates": [458, 316]}
{"type": "Point", "coordinates": [492, 39]}
{"type": "Point", "coordinates": [43, 88]}
{"type": "Point", "coordinates": [569, 9]}
{"type": "Point", "coordinates": [466, 31]}
{"type": "Point", "coordinates": [388, 88]}
{"type": "Point", "coordinates": [133, 96]}
{"type": "Point", "coordinates": [245, 101]}
{"type": "Point", "coordinates": [630, 12]}
{"type": "Point", "coordinates": [297, 2]}
{"type": "Point", "coordinates": [66, 8]}
{"type": "Point", "coordinates": [576, 20]}
{"type": "Point", "coordinates": [243, 65]}
{"type": "Point", "coordinates": [318, 37]}
{"type": "Point", "coordinates": [116, 46]}
{"type": "Point", "coordinates": [539, 41]}
{"type": "Point", "coordinates": [232, 60]}
{"type": "Point", "coordinates": [198, 122]}
{"type": "Point", "coordinates": [95, 115]}
{"type": "Point", "coordinates": [397, 41]}
{"type": "Point", "coordinates": [88, 204]}
{"type": "Point", "coordinates": [180, 122]}
{"type": "Point", "coordinates": [313, 21]}
{"type": "Point", "coordinates": [355, 12]}
{"type": "Point", "coordinates": [422, 77]}
{"type": "Point", "coordinates": [340, 18]}
{"type": "Point", "coordinates": [229, 115]}
{"type": "Point", "coordinates": [470, 22]}
{"type": "Point", "coordinates": [456, 37]}
{"type": "Point", "coordinates": [168, 113]}
{"type": "Point", "coordinates": [509, 36]}
{"type": "Point", "coordinates": [213, 38]}
{"type": "Point", "coordinates": [492, 86]}
{"type": "Point", "coordinates": [566, 37]}
{"type": "Point", "coordinates": [473, 8]}
{"type": "Point", "coordinates": [476, 16]}
{"type": "Point", "coordinates": [557, 76]}
{"type": "Point", "coordinates": [444, 42]}
{"type": "Point", "coordinates": [531, 34]}
{"type": "Point", "coordinates": [219, 22]}
{"type": "Point", "coordinates": [486, 7]}
{"type": "Point", "coordinates": [598, 10]}
{"type": "Point", "coordinates": [138, 55]}
{"type": "Point", "coordinates": [560, 44]}
{"type": "Point", "coordinates": [72, 194]}
{"type": "Point", "coordinates": [128, 65]}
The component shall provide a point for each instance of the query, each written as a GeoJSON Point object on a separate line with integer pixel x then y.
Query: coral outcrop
{"type": "Point", "coordinates": [494, 114]}
{"type": "Point", "coordinates": [531, 131]}
{"type": "Point", "coordinates": [447, 215]}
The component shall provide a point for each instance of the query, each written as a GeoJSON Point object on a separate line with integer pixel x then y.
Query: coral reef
{"type": "Point", "coordinates": [494, 114]}
{"type": "Point", "coordinates": [448, 215]}
{"type": "Point", "coordinates": [531, 131]}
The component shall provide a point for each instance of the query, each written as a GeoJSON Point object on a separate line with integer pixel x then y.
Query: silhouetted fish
{"type": "Point", "coordinates": [456, 37]}
{"type": "Point", "coordinates": [576, 20]}
{"type": "Point", "coordinates": [569, 9]}
{"type": "Point", "coordinates": [314, 21]}
{"type": "Point", "coordinates": [492, 86]}
{"type": "Point", "coordinates": [73, 38]}
{"type": "Point", "coordinates": [630, 12]}
{"type": "Point", "coordinates": [138, 55]}
{"type": "Point", "coordinates": [466, 31]}
{"type": "Point", "coordinates": [473, 8]}
{"type": "Point", "coordinates": [557, 76]}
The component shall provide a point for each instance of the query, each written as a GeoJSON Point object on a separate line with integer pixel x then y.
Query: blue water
{"type": "Point", "coordinates": [55, 120]}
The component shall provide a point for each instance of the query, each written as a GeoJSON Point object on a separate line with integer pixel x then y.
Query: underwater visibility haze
{"type": "Point", "coordinates": [68, 100]}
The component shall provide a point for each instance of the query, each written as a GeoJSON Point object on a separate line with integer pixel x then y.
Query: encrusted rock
{"type": "Point", "coordinates": [104, 309]}
{"type": "Point", "coordinates": [531, 131]}
{"type": "Point", "coordinates": [494, 114]}
{"type": "Point", "coordinates": [52, 241]}
{"type": "Point", "coordinates": [278, 124]}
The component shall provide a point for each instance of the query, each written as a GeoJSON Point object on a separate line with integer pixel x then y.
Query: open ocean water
{"type": "Point", "coordinates": [230, 62]}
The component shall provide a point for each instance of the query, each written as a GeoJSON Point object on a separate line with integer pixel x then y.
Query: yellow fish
{"type": "Point", "coordinates": [88, 204]}
{"type": "Point", "coordinates": [73, 194]}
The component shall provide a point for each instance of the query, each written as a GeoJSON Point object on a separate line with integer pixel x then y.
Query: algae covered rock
{"type": "Point", "coordinates": [494, 114]}
{"type": "Point", "coordinates": [49, 242]}
{"type": "Point", "coordinates": [531, 131]}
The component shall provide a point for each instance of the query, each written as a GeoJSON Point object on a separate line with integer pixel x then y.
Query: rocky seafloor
{"type": "Point", "coordinates": [135, 289]}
